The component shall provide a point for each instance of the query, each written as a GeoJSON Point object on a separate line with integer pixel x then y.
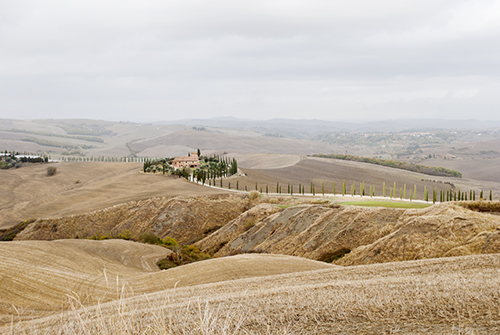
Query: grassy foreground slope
{"type": "Point", "coordinates": [444, 296]}
{"type": "Point", "coordinates": [42, 277]}
{"type": "Point", "coordinates": [37, 275]}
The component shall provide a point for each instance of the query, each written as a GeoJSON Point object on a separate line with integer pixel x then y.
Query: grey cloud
{"type": "Point", "coordinates": [321, 59]}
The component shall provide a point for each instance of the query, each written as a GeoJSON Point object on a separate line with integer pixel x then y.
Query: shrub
{"type": "Point", "coordinates": [273, 201]}
{"type": "Point", "coordinates": [330, 257]}
{"type": "Point", "coordinates": [150, 238]}
{"type": "Point", "coordinates": [482, 206]}
{"type": "Point", "coordinates": [126, 235]}
{"type": "Point", "coordinates": [249, 224]}
{"type": "Point", "coordinates": [211, 230]}
{"type": "Point", "coordinates": [51, 170]}
{"type": "Point", "coordinates": [253, 195]}
{"type": "Point", "coordinates": [10, 234]}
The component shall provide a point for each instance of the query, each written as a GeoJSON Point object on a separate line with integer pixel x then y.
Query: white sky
{"type": "Point", "coordinates": [153, 60]}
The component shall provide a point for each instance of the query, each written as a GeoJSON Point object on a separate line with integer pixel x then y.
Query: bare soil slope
{"type": "Point", "coordinates": [373, 234]}
{"type": "Point", "coordinates": [185, 218]}
{"type": "Point", "coordinates": [27, 193]}
{"type": "Point", "coordinates": [444, 296]}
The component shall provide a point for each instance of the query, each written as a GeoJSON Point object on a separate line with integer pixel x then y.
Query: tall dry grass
{"type": "Point", "coordinates": [441, 296]}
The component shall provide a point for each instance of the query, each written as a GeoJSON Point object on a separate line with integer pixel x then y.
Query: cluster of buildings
{"type": "Point", "coordinates": [191, 161]}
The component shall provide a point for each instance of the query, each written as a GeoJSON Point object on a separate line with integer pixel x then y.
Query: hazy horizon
{"type": "Point", "coordinates": [153, 61]}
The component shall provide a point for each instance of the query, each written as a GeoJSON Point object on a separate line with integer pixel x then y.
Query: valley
{"type": "Point", "coordinates": [76, 256]}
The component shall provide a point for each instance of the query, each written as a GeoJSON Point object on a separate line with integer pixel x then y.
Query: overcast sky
{"type": "Point", "coordinates": [153, 60]}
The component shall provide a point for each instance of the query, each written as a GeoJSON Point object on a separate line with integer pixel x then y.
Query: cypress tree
{"type": "Point", "coordinates": [371, 190]}
{"type": "Point", "coordinates": [237, 184]}
{"type": "Point", "coordinates": [333, 188]}
{"type": "Point", "coordinates": [491, 196]}
{"type": "Point", "coordinates": [474, 195]}
{"type": "Point", "coordinates": [426, 195]}
{"type": "Point", "coordinates": [383, 189]}
{"type": "Point", "coordinates": [481, 195]}
{"type": "Point", "coordinates": [323, 188]}
{"type": "Point", "coordinates": [313, 190]}
{"type": "Point", "coordinates": [267, 190]}
{"type": "Point", "coordinates": [245, 187]}
{"type": "Point", "coordinates": [277, 187]}
{"type": "Point", "coordinates": [256, 186]}
{"type": "Point", "coordinates": [404, 191]}
{"type": "Point", "coordinates": [288, 192]}
{"type": "Point", "coordinates": [400, 193]}
{"type": "Point", "coordinates": [343, 188]}
{"type": "Point", "coordinates": [229, 185]}
{"type": "Point", "coordinates": [434, 195]}
{"type": "Point", "coordinates": [394, 190]}
{"type": "Point", "coordinates": [291, 189]}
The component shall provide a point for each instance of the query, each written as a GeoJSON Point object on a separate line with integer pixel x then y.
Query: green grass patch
{"type": "Point", "coordinates": [386, 204]}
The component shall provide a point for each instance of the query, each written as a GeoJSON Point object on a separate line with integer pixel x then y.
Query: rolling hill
{"type": "Point", "coordinates": [445, 296]}
{"type": "Point", "coordinates": [77, 188]}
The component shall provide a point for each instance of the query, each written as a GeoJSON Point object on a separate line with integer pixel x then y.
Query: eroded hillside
{"type": "Point", "coordinates": [373, 235]}
{"type": "Point", "coordinates": [185, 218]}
{"type": "Point", "coordinates": [348, 235]}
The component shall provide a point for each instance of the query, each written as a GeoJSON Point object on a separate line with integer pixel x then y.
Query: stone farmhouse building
{"type": "Point", "coordinates": [187, 161]}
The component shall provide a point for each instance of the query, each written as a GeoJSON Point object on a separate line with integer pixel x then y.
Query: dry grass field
{"type": "Point", "coordinates": [80, 188]}
{"type": "Point", "coordinates": [323, 170]}
{"type": "Point", "coordinates": [445, 296]}
{"type": "Point", "coordinates": [41, 277]}
{"type": "Point", "coordinates": [215, 141]}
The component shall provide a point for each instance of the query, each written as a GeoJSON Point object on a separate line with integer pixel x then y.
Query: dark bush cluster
{"type": "Point", "coordinates": [10, 234]}
{"type": "Point", "coordinates": [330, 257]}
{"type": "Point", "coordinates": [433, 171]}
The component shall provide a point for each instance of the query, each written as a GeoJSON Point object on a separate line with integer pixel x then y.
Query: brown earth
{"type": "Point", "coordinates": [374, 234]}
{"type": "Point", "coordinates": [81, 187]}
{"type": "Point", "coordinates": [225, 225]}
{"type": "Point", "coordinates": [185, 218]}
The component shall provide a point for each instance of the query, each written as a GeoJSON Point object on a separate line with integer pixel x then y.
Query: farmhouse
{"type": "Point", "coordinates": [191, 161]}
